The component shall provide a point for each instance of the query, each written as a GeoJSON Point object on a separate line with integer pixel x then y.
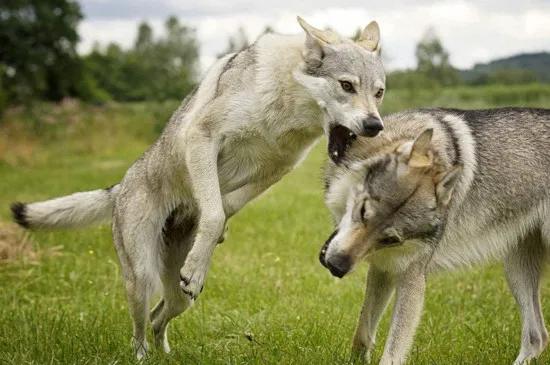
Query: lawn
{"type": "Point", "coordinates": [267, 300]}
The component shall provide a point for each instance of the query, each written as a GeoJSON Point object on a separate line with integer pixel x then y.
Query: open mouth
{"type": "Point", "coordinates": [340, 138]}
{"type": "Point", "coordinates": [323, 252]}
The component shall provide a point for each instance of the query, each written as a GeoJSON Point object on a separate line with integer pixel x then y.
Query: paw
{"type": "Point", "coordinates": [166, 346]}
{"type": "Point", "coordinates": [533, 348]}
{"type": "Point", "coordinates": [526, 357]}
{"type": "Point", "coordinates": [140, 349]}
{"type": "Point", "coordinates": [392, 360]}
{"type": "Point", "coordinates": [523, 360]}
{"type": "Point", "coordinates": [361, 348]}
{"type": "Point", "coordinates": [192, 281]}
{"type": "Point", "coordinates": [360, 354]}
{"type": "Point", "coordinates": [191, 286]}
{"type": "Point", "coordinates": [160, 337]}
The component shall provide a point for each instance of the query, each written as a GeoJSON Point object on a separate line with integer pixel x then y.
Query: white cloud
{"type": "Point", "coordinates": [472, 32]}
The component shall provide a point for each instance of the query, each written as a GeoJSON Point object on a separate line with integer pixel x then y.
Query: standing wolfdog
{"type": "Point", "coordinates": [252, 119]}
{"type": "Point", "coordinates": [440, 189]}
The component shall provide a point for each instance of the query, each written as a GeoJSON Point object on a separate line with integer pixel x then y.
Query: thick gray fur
{"type": "Point", "coordinates": [252, 119]}
{"type": "Point", "coordinates": [441, 189]}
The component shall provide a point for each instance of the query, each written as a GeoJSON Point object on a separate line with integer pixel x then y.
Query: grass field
{"type": "Point", "coordinates": [267, 300]}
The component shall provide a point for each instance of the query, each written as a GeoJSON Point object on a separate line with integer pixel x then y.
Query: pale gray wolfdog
{"type": "Point", "coordinates": [441, 189]}
{"type": "Point", "coordinates": [252, 119]}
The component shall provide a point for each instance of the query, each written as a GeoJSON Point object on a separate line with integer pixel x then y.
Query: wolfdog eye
{"type": "Point", "coordinates": [347, 86]}
{"type": "Point", "coordinates": [379, 93]}
{"type": "Point", "coordinates": [390, 240]}
{"type": "Point", "coordinates": [363, 212]}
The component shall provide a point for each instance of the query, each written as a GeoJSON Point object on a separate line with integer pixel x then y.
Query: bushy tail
{"type": "Point", "coordinates": [71, 211]}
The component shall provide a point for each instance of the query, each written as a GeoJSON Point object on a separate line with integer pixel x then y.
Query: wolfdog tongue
{"type": "Point", "coordinates": [340, 139]}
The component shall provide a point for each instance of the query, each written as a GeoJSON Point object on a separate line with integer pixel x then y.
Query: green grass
{"type": "Point", "coordinates": [267, 300]}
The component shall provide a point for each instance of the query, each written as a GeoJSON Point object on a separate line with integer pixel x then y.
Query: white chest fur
{"type": "Point", "coordinates": [256, 153]}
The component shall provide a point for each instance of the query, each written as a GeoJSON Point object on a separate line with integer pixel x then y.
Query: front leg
{"type": "Point", "coordinates": [380, 287]}
{"type": "Point", "coordinates": [237, 199]}
{"type": "Point", "coordinates": [201, 159]}
{"type": "Point", "coordinates": [411, 287]}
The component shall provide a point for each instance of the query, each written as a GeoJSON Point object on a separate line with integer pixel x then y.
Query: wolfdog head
{"type": "Point", "coordinates": [345, 78]}
{"type": "Point", "coordinates": [399, 208]}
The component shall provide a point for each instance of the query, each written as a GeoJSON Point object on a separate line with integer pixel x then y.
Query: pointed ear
{"type": "Point", "coordinates": [370, 38]}
{"type": "Point", "coordinates": [316, 39]}
{"type": "Point", "coordinates": [421, 151]}
{"type": "Point", "coordinates": [322, 36]}
{"type": "Point", "coordinates": [417, 153]}
{"type": "Point", "coordinates": [313, 54]}
{"type": "Point", "coordinates": [445, 187]}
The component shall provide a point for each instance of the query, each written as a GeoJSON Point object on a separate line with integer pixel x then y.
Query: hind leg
{"type": "Point", "coordinates": [523, 267]}
{"type": "Point", "coordinates": [139, 294]}
{"type": "Point", "coordinates": [136, 240]}
{"type": "Point", "coordinates": [177, 243]}
{"type": "Point", "coordinates": [174, 302]}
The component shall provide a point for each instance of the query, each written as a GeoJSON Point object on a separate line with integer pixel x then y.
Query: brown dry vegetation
{"type": "Point", "coordinates": [17, 247]}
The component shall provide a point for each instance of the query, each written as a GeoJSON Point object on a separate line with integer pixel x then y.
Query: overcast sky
{"type": "Point", "coordinates": [472, 31]}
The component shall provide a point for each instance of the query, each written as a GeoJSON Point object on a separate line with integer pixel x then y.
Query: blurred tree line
{"type": "Point", "coordinates": [434, 70]}
{"type": "Point", "coordinates": [154, 69]}
{"type": "Point", "coordinates": [38, 50]}
{"type": "Point", "coordinates": [39, 60]}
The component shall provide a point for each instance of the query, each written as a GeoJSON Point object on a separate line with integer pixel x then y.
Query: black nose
{"type": "Point", "coordinates": [372, 126]}
{"type": "Point", "coordinates": [339, 265]}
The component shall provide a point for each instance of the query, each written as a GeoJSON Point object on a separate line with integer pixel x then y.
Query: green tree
{"type": "Point", "coordinates": [155, 69]}
{"type": "Point", "coordinates": [433, 60]}
{"type": "Point", "coordinates": [3, 95]}
{"type": "Point", "coordinates": [38, 49]}
{"type": "Point", "coordinates": [106, 68]}
{"type": "Point", "coordinates": [176, 61]}
{"type": "Point", "coordinates": [141, 62]}
{"type": "Point", "coordinates": [144, 39]}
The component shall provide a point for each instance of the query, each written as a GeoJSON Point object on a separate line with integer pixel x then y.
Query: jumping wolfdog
{"type": "Point", "coordinates": [252, 119]}
{"type": "Point", "coordinates": [440, 189]}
